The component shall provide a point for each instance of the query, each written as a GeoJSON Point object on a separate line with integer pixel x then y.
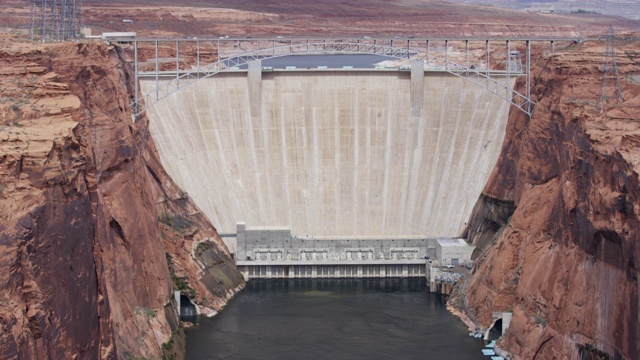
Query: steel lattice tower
{"type": "Point", "coordinates": [55, 20]}
{"type": "Point", "coordinates": [610, 76]}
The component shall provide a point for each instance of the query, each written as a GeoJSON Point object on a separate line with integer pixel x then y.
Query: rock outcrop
{"type": "Point", "coordinates": [94, 236]}
{"type": "Point", "coordinates": [559, 220]}
{"type": "Point", "coordinates": [167, 18]}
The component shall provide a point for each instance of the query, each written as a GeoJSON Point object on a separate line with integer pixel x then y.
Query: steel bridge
{"type": "Point", "coordinates": [435, 54]}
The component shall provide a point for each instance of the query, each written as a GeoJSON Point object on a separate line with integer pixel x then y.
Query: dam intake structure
{"type": "Point", "coordinates": [274, 253]}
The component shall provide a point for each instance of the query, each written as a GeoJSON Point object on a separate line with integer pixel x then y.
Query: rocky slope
{"type": "Point", "coordinates": [559, 223]}
{"type": "Point", "coordinates": [321, 17]}
{"type": "Point", "coordinates": [337, 18]}
{"type": "Point", "coordinates": [94, 236]}
{"type": "Point", "coordinates": [626, 8]}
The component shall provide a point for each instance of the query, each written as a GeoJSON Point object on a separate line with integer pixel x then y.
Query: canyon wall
{"type": "Point", "coordinates": [558, 224]}
{"type": "Point", "coordinates": [94, 236]}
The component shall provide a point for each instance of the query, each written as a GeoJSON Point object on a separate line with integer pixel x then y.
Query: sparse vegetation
{"type": "Point", "coordinates": [175, 346]}
{"type": "Point", "coordinates": [129, 356]}
{"type": "Point", "coordinates": [633, 56]}
{"type": "Point", "coordinates": [168, 352]}
{"type": "Point", "coordinates": [143, 310]}
{"type": "Point", "coordinates": [203, 246]}
{"type": "Point", "coordinates": [18, 82]}
{"type": "Point", "coordinates": [179, 283]}
{"type": "Point", "coordinates": [583, 11]}
{"type": "Point", "coordinates": [540, 320]}
{"type": "Point", "coordinates": [17, 111]}
{"type": "Point", "coordinates": [175, 221]}
{"type": "Point", "coordinates": [516, 278]}
{"type": "Point", "coordinates": [165, 219]}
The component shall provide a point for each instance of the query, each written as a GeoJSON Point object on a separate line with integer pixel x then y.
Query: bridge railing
{"type": "Point", "coordinates": [478, 77]}
{"type": "Point", "coordinates": [502, 90]}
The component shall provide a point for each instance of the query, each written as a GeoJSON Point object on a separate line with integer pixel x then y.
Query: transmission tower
{"type": "Point", "coordinates": [610, 76]}
{"type": "Point", "coordinates": [55, 20]}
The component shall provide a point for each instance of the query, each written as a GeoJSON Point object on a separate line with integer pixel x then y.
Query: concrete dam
{"type": "Point", "coordinates": [332, 152]}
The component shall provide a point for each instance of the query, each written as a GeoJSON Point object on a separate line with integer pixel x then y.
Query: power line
{"type": "Point", "coordinates": [610, 76]}
{"type": "Point", "coordinates": [55, 20]}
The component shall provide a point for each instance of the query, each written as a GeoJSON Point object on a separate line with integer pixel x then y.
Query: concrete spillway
{"type": "Point", "coordinates": [360, 153]}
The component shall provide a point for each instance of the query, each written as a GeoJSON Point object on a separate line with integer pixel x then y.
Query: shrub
{"type": "Point", "coordinates": [175, 221]}
{"type": "Point", "coordinates": [143, 310]}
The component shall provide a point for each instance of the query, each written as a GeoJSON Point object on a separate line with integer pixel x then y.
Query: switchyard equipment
{"type": "Point", "coordinates": [610, 77]}
{"type": "Point", "coordinates": [55, 20]}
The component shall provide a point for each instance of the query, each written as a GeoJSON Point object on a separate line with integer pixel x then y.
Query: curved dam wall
{"type": "Point", "coordinates": [332, 153]}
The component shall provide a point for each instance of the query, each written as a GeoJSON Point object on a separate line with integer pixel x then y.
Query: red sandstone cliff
{"type": "Point", "coordinates": [566, 260]}
{"type": "Point", "coordinates": [94, 236]}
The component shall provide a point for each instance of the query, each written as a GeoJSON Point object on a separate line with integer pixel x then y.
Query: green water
{"type": "Point", "coordinates": [334, 319]}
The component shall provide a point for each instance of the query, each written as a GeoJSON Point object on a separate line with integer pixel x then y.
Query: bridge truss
{"type": "Point", "coordinates": [435, 54]}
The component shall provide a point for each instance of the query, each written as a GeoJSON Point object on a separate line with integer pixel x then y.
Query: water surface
{"type": "Point", "coordinates": [333, 319]}
{"type": "Point", "coordinates": [333, 61]}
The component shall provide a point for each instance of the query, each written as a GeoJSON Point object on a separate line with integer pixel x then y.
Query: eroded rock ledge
{"type": "Point", "coordinates": [87, 266]}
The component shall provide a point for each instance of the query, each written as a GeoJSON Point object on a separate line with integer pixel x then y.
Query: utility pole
{"type": "Point", "coordinates": [610, 77]}
{"type": "Point", "coordinates": [55, 20]}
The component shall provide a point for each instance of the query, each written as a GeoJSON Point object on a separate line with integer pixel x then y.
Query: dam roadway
{"type": "Point", "coordinates": [332, 152]}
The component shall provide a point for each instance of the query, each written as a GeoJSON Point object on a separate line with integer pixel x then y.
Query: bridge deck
{"type": "Point", "coordinates": [172, 74]}
{"type": "Point", "coordinates": [347, 38]}
{"type": "Point", "coordinates": [409, 49]}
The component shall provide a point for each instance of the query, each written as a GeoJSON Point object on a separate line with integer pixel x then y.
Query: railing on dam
{"type": "Point", "coordinates": [333, 271]}
{"type": "Point", "coordinates": [482, 61]}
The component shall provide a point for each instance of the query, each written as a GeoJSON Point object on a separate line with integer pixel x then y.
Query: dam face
{"type": "Point", "coordinates": [332, 153]}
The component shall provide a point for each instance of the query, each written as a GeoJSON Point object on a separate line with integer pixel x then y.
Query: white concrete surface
{"type": "Point", "coordinates": [449, 249]}
{"type": "Point", "coordinates": [332, 153]}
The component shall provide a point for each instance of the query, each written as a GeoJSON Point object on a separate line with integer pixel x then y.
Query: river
{"type": "Point", "coordinates": [333, 319]}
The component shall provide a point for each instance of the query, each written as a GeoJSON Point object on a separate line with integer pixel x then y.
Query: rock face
{"type": "Point", "coordinates": [87, 264]}
{"type": "Point", "coordinates": [565, 261]}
